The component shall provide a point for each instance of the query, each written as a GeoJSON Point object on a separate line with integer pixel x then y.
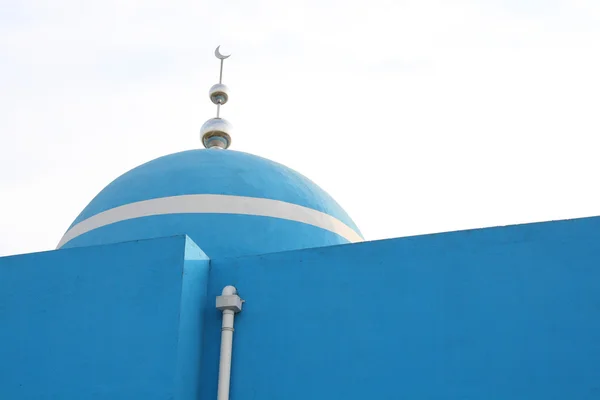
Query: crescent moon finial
{"type": "Point", "coordinates": [216, 132]}
{"type": "Point", "coordinates": [219, 55]}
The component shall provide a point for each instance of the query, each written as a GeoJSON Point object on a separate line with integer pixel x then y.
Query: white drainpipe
{"type": "Point", "coordinates": [230, 303]}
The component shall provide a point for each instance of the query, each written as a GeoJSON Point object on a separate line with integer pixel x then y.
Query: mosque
{"type": "Point", "coordinates": [215, 273]}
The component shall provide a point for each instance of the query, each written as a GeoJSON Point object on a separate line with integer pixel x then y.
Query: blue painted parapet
{"type": "Point", "coordinates": [120, 321]}
{"type": "Point", "coordinates": [501, 313]}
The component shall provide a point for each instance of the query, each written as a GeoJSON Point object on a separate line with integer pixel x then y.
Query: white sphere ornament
{"type": "Point", "coordinates": [216, 133]}
{"type": "Point", "coordinates": [219, 94]}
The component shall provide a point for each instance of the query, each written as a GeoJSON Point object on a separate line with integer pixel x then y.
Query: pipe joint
{"type": "Point", "coordinates": [229, 302]}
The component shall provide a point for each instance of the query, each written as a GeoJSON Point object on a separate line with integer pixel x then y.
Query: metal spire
{"type": "Point", "coordinates": [215, 132]}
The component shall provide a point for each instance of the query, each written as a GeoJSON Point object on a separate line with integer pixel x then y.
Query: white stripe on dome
{"type": "Point", "coordinates": [213, 204]}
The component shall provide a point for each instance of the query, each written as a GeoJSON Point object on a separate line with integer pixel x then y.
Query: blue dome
{"type": "Point", "coordinates": [230, 203]}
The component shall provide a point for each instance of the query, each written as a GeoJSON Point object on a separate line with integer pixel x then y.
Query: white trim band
{"type": "Point", "coordinates": [213, 204]}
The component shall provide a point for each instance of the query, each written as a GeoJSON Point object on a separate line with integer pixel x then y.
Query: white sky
{"type": "Point", "coordinates": [416, 116]}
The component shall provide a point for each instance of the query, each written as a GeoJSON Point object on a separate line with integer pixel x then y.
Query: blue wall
{"type": "Point", "coordinates": [108, 322]}
{"type": "Point", "coordinates": [502, 313]}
